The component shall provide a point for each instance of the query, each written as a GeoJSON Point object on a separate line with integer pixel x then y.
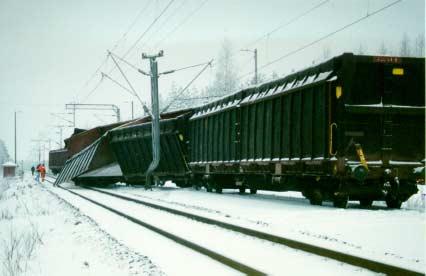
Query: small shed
{"type": "Point", "coordinates": [9, 169]}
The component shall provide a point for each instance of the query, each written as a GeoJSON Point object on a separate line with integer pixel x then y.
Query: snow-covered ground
{"type": "Point", "coordinates": [263, 256]}
{"type": "Point", "coordinates": [397, 237]}
{"type": "Point", "coordinates": [40, 234]}
{"type": "Point", "coordinates": [78, 238]}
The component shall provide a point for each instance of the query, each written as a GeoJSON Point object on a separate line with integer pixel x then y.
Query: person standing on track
{"type": "Point", "coordinates": [37, 178]}
{"type": "Point", "coordinates": [32, 170]}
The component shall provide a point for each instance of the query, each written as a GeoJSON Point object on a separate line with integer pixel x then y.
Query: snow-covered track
{"type": "Point", "coordinates": [372, 265]}
{"type": "Point", "coordinates": [205, 251]}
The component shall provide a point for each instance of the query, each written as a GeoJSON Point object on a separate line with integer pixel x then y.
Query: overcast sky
{"type": "Point", "coordinates": [50, 49]}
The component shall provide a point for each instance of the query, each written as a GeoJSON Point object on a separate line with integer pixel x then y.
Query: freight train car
{"type": "Point", "coordinates": [350, 128]}
{"type": "Point", "coordinates": [57, 159]}
{"type": "Point", "coordinates": [79, 140]}
{"type": "Point", "coordinates": [133, 150]}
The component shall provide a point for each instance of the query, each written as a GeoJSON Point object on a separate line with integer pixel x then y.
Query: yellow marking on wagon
{"type": "Point", "coordinates": [398, 71]}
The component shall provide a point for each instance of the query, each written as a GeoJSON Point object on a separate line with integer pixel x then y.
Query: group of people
{"type": "Point", "coordinates": [40, 172]}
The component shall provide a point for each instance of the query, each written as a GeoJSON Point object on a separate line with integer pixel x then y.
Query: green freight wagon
{"type": "Point", "coordinates": [350, 128]}
{"type": "Point", "coordinates": [132, 147]}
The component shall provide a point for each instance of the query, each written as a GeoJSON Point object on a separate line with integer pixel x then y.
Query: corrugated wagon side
{"type": "Point", "coordinates": [133, 150]}
{"type": "Point", "coordinates": [334, 131]}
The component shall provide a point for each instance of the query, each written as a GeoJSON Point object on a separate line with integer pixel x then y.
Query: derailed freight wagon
{"type": "Point", "coordinates": [57, 159]}
{"type": "Point", "coordinates": [350, 128]}
{"type": "Point", "coordinates": [132, 146]}
{"type": "Point", "coordinates": [79, 140]}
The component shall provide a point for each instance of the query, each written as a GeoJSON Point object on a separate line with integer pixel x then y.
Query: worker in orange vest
{"type": "Point", "coordinates": [42, 172]}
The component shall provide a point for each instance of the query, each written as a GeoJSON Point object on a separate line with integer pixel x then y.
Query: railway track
{"type": "Point", "coordinates": [372, 265]}
{"type": "Point", "coordinates": [200, 249]}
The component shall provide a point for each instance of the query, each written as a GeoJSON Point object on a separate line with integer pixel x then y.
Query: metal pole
{"type": "Point", "coordinates": [117, 111]}
{"type": "Point", "coordinates": [60, 137]}
{"type": "Point", "coordinates": [39, 152]}
{"type": "Point", "coordinates": [255, 66]}
{"type": "Point", "coordinates": [15, 139]}
{"type": "Point", "coordinates": [132, 111]}
{"type": "Point", "coordinates": [73, 121]}
{"type": "Point", "coordinates": [155, 125]}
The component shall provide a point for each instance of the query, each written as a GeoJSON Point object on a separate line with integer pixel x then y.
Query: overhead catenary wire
{"type": "Point", "coordinates": [289, 22]}
{"type": "Point", "coordinates": [147, 29]}
{"type": "Point", "coordinates": [180, 24]}
{"type": "Point", "coordinates": [104, 75]}
{"type": "Point", "coordinates": [131, 48]}
{"type": "Point", "coordinates": [145, 8]}
{"type": "Point", "coordinates": [95, 73]}
{"type": "Point", "coordinates": [162, 73]}
{"type": "Point", "coordinates": [166, 20]}
{"type": "Point", "coordinates": [186, 87]}
{"type": "Point", "coordinates": [94, 88]}
{"type": "Point", "coordinates": [145, 107]}
{"type": "Point", "coordinates": [323, 37]}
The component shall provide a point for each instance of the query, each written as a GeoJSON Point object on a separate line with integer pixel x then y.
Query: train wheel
{"type": "Point", "coordinates": [393, 202]}
{"type": "Point", "coordinates": [315, 198]}
{"type": "Point", "coordinates": [340, 201]}
{"type": "Point", "coordinates": [253, 191]}
{"type": "Point", "coordinates": [242, 190]}
{"type": "Point", "coordinates": [366, 203]}
{"type": "Point", "coordinates": [209, 188]}
{"type": "Point", "coordinates": [218, 190]}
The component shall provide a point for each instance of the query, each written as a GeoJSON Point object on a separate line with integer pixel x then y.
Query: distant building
{"type": "Point", "coordinates": [9, 169]}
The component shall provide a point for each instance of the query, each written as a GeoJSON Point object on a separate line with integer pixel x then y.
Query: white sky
{"type": "Point", "coordinates": [49, 49]}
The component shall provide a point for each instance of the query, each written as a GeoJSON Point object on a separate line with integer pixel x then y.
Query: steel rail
{"type": "Point", "coordinates": [372, 265]}
{"type": "Point", "coordinates": [200, 249]}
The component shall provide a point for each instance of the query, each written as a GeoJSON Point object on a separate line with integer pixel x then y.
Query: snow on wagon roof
{"type": "Point", "coordinates": [9, 164]}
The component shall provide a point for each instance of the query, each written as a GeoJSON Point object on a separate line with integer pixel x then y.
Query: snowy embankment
{"type": "Point", "coordinates": [40, 234]}
{"type": "Point", "coordinates": [392, 236]}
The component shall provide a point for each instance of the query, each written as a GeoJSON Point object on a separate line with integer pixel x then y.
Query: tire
{"type": "Point", "coordinates": [340, 201]}
{"type": "Point", "coordinates": [393, 202]}
{"type": "Point", "coordinates": [242, 190]}
{"type": "Point", "coordinates": [253, 191]}
{"type": "Point", "coordinates": [316, 197]}
{"type": "Point", "coordinates": [366, 203]}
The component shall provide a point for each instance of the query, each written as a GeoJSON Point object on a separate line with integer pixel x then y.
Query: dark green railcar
{"type": "Point", "coordinates": [350, 128]}
{"type": "Point", "coordinates": [133, 150]}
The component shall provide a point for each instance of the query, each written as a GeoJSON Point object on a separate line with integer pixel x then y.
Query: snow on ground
{"type": "Point", "coordinates": [393, 236]}
{"type": "Point", "coordinates": [263, 256]}
{"type": "Point", "coordinates": [173, 258]}
{"type": "Point", "coordinates": [41, 234]}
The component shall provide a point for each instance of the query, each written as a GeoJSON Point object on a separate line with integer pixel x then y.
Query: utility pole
{"type": "Point", "coordinates": [255, 63]}
{"type": "Point", "coordinates": [16, 152]}
{"type": "Point", "coordinates": [15, 137]}
{"type": "Point", "coordinates": [255, 66]}
{"type": "Point", "coordinates": [155, 111]}
{"type": "Point", "coordinates": [131, 102]}
{"type": "Point", "coordinates": [103, 107]}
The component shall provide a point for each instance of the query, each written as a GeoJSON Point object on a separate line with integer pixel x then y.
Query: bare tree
{"type": "Point", "coordinates": [361, 49]}
{"type": "Point", "coordinates": [383, 50]}
{"type": "Point", "coordinates": [326, 53]}
{"type": "Point", "coordinates": [420, 46]}
{"type": "Point", "coordinates": [404, 49]}
{"type": "Point", "coordinates": [4, 155]}
{"type": "Point", "coordinates": [274, 75]}
{"type": "Point", "coordinates": [225, 80]}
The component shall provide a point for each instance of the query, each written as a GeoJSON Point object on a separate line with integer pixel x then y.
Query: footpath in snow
{"type": "Point", "coordinates": [40, 234]}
